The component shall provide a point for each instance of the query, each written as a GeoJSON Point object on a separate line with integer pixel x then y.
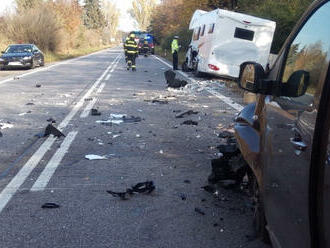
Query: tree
{"type": "Point", "coordinates": [93, 17]}
{"type": "Point", "coordinates": [23, 5]}
{"type": "Point", "coordinates": [111, 15]}
{"type": "Point", "coordinates": [142, 11]}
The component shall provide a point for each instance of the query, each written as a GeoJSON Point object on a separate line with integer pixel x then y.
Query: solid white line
{"type": "Point", "coordinates": [8, 192]}
{"type": "Point", "coordinates": [79, 104]}
{"type": "Point", "coordinates": [53, 163]}
{"type": "Point", "coordinates": [91, 104]}
{"type": "Point", "coordinates": [11, 188]}
{"type": "Point", "coordinates": [223, 98]}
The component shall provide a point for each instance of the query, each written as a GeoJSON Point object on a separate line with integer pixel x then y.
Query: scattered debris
{"type": "Point", "coordinates": [149, 81]}
{"type": "Point", "coordinates": [161, 152]}
{"type": "Point", "coordinates": [50, 205]}
{"type": "Point", "coordinates": [28, 112]}
{"type": "Point", "coordinates": [95, 112]}
{"type": "Point", "coordinates": [198, 210]}
{"type": "Point", "coordinates": [183, 197]}
{"type": "Point", "coordinates": [187, 181]}
{"type": "Point", "coordinates": [120, 118]}
{"type": "Point", "coordinates": [145, 71]}
{"type": "Point", "coordinates": [29, 103]}
{"type": "Point", "coordinates": [1, 134]}
{"type": "Point", "coordinates": [95, 157]}
{"type": "Point", "coordinates": [215, 224]}
{"type": "Point", "coordinates": [226, 134]}
{"type": "Point", "coordinates": [51, 120]}
{"type": "Point", "coordinates": [88, 99]}
{"type": "Point", "coordinates": [209, 188]}
{"type": "Point", "coordinates": [189, 122]}
{"type": "Point", "coordinates": [117, 116]}
{"type": "Point", "coordinates": [50, 129]}
{"type": "Point", "coordinates": [115, 136]}
{"type": "Point", "coordinates": [160, 101]}
{"type": "Point", "coordinates": [38, 85]}
{"type": "Point", "coordinates": [16, 77]}
{"type": "Point", "coordinates": [6, 125]}
{"type": "Point", "coordinates": [138, 136]}
{"type": "Point", "coordinates": [143, 187]}
{"type": "Point", "coordinates": [186, 113]}
{"type": "Point", "coordinates": [172, 82]}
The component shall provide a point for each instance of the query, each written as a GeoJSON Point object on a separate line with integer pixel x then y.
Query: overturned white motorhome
{"type": "Point", "coordinates": [222, 40]}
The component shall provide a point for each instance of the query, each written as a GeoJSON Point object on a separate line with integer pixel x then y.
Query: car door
{"type": "Point", "coordinates": [289, 127]}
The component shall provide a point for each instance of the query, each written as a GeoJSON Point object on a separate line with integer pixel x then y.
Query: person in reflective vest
{"type": "Point", "coordinates": [175, 51]}
{"type": "Point", "coordinates": [132, 52]}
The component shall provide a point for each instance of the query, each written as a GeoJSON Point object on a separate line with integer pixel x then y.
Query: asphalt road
{"type": "Point", "coordinates": [35, 170]}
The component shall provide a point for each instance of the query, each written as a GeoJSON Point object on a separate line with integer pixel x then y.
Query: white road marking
{"type": "Point", "coordinates": [107, 78]}
{"type": "Point", "coordinates": [100, 89]}
{"type": "Point", "coordinates": [91, 104]}
{"type": "Point", "coordinates": [53, 163]}
{"type": "Point", "coordinates": [8, 192]}
{"type": "Point", "coordinates": [79, 104]}
{"type": "Point", "coordinates": [223, 98]}
{"type": "Point", "coordinates": [51, 66]}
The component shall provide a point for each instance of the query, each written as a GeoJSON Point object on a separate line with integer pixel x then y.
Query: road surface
{"type": "Point", "coordinates": [155, 145]}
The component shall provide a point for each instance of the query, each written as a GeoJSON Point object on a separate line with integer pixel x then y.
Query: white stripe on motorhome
{"type": "Point", "coordinates": [9, 191]}
{"type": "Point", "coordinates": [223, 98]}
{"type": "Point", "coordinates": [53, 163]}
{"type": "Point", "coordinates": [91, 104]}
{"type": "Point", "coordinates": [79, 104]}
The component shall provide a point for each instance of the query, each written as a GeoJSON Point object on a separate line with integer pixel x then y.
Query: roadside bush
{"type": "Point", "coordinates": [38, 26]}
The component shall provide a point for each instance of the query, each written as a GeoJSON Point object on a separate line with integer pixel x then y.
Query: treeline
{"type": "Point", "coordinates": [172, 17]}
{"type": "Point", "coordinates": [60, 26]}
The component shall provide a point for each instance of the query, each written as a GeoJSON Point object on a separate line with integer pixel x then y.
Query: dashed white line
{"type": "Point", "coordinates": [53, 163]}
{"type": "Point", "coordinates": [108, 76]}
{"type": "Point", "coordinates": [223, 98]}
{"type": "Point", "coordinates": [91, 104]}
{"type": "Point", "coordinates": [100, 89]}
{"type": "Point", "coordinates": [8, 192]}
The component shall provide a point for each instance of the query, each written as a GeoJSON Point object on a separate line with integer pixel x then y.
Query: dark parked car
{"type": "Point", "coordinates": [284, 136]}
{"type": "Point", "coordinates": [27, 55]}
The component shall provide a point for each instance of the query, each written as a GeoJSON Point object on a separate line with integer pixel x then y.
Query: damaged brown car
{"type": "Point", "coordinates": [284, 136]}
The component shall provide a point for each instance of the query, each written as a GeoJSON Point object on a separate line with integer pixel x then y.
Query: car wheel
{"type": "Point", "coordinates": [196, 72]}
{"type": "Point", "coordinates": [42, 63]}
{"type": "Point", "coordinates": [32, 64]}
{"type": "Point", "coordinates": [259, 218]}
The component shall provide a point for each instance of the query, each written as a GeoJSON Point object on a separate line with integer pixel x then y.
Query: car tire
{"type": "Point", "coordinates": [259, 218]}
{"type": "Point", "coordinates": [32, 66]}
{"type": "Point", "coordinates": [42, 63]}
{"type": "Point", "coordinates": [196, 72]}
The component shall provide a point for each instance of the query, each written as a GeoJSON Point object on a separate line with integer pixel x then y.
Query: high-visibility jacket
{"type": "Point", "coordinates": [175, 46]}
{"type": "Point", "coordinates": [125, 49]}
{"type": "Point", "coordinates": [131, 47]}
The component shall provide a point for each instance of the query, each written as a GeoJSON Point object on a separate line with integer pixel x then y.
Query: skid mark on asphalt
{"type": "Point", "coordinates": [11, 188]}
{"type": "Point", "coordinates": [223, 98]}
{"type": "Point", "coordinates": [53, 163]}
{"type": "Point", "coordinates": [91, 104]}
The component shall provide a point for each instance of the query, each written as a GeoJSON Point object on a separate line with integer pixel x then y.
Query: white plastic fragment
{"type": "Point", "coordinates": [95, 157]}
{"type": "Point", "coordinates": [117, 116]}
{"type": "Point", "coordinates": [5, 125]}
{"type": "Point", "coordinates": [115, 136]}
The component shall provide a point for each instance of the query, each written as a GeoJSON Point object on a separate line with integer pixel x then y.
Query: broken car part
{"type": "Point", "coordinates": [143, 187]}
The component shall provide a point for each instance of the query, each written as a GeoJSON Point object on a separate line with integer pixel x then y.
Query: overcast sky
{"type": "Point", "coordinates": [125, 23]}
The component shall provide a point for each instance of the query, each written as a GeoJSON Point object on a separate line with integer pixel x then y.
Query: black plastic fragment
{"type": "Point", "coordinates": [50, 205]}
{"type": "Point", "coordinates": [187, 181]}
{"type": "Point", "coordinates": [30, 103]}
{"type": "Point", "coordinates": [183, 197]}
{"type": "Point", "coordinates": [95, 112]}
{"type": "Point", "coordinates": [198, 210]}
{"type": "Point", "coordinates": [172, 81]}
{"type": "Point", "coordinates": [143, 187]}
{"type": "Point", "coordinates": [1, 134]}
{"type": "Point", "coordinates": [50, 129]}
{"type": "Point", "coordinates": [186, 113]}
{"type": "Point", "coordinates": [209, 188]}
{"type": "Point", "coordinates": [190, 122]}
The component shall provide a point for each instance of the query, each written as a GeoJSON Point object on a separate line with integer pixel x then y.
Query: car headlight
{"type": "Point", "coordinates": [27, 57]}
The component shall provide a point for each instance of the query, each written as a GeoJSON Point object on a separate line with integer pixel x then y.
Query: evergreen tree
{"type": "Point", "coordinates": [93, 17]}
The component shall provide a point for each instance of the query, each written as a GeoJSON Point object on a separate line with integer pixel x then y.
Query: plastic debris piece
{"type": "Point", "coordinates": [115, 136]}
{"type": "Point", "coordinates": [183, 197]}
{"type": "Point", "coordinates": [29, 103]}
{"type": "Point", "coordinates": [50, 205]}
{"type": "Point", "coordinates": [38, 85]}
{"type": "Point", "coordinates": [95, 112]}
{"type": "Point", "coordinates": [143, 187]}
{"type": "Point", "coordinates": [198, 210]}
{"type": "Point", "coordinates": [95, 157]}
{"type": "Point", "coordinates": [117, 116]}
{"type": "Point", "coordinates": [161, 152]}
{"type": "Point", "coordinates": [189, 122]}
{"type": "Point", "coordinates": [50, 129]}
{"type": "Point", "coordinates": [209, 188]}
{"type": "Point", "coordinates": [187, 181]}
{"type": "Point", "coordinates": [186, 113]}
{"type": "Point", "coordinates": [51, 120]}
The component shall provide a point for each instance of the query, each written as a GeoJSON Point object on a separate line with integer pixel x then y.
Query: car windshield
{"type": "Point", "coordinates": [19, 49]}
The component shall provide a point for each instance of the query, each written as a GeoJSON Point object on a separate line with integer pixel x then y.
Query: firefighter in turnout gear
{"type": "Point", "coordinates": [132, 52]}
{"type": "Point", "coordinates": [125, 49]}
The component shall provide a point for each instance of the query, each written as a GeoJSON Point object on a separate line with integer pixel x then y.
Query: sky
{"type": "Point", "coordinates": [125, 22]}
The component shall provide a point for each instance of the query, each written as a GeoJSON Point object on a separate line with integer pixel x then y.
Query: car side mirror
{"type": "Point", "coordinates": [296, 85]}
{"type": "Point", "coordinates": [35, 51]}
{"type": "Point", "coordinates": [251, 76]}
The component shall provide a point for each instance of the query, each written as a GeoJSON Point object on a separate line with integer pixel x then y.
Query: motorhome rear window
{"type": "Point", "coordinates": [211, 28]}
{"type": "Point", "coordinates": [203, 30]}
{"type": "Point", "coordinates": [244, 34]}
{"type": "Point", "coordinates": [197, 33]}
